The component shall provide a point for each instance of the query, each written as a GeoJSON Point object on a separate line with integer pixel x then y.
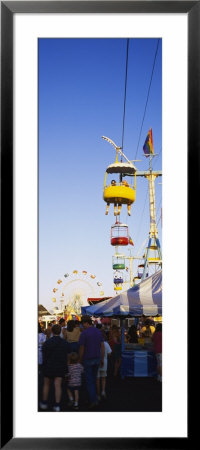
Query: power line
{"type": "Point", "coordinates": [159, 206]}
{"type": "Point", "coordinates": [156, 160]}
{"type": "Point", "coordinates": [127, 50]}
{"type": "Point", "coordinates": [159, 220]}
{"type": "Point", "coordinates": [147, 96]}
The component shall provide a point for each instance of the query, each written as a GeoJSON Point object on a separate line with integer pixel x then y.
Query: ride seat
{"type": "Point", "coordinates": [119, 194]}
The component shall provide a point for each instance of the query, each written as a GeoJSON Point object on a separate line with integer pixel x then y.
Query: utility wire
{"type": "Point", "coordinates": [158, 207]}
{"type": "Point", "coordinates": [156, 160]}
{"type": "Point", "coordinates": [159, 220]}
{"type": "Point", "coordinates": [127, 50]}
{"type": "Point", "coordinates": [147, 96]}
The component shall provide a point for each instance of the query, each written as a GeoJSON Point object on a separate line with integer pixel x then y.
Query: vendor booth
{"type": "Point", "coordinates": [145, 299]}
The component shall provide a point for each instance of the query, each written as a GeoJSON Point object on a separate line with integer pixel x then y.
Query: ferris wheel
{"type": "Point", "coordinates": [74, 288]}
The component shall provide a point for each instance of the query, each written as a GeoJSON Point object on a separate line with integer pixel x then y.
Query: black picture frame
{"type": "Point", "coordinates": [8, 9]}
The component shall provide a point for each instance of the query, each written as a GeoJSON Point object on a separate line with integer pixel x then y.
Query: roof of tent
{"type": "Point", "coordinates": [143, 299]}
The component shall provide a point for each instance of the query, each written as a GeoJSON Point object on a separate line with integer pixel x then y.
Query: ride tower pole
{"type": "Point", "coordinates": [153, 242]}
{"type": "Point", "coordinates": [130, 259]}
{"type": "Point", "coordinates": [131, 270]}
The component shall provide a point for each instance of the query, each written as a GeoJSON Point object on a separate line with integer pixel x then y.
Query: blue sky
{"type": "Point", "coordinates": [81, 98]}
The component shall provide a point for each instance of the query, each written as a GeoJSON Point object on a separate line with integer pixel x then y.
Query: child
{"type": "Point", "coordinates": [75, 370]}
{"type": "Point", "coordinates": [102, 371]}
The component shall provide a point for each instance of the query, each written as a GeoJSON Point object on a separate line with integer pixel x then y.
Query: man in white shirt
{"type": "Point", "coordinates": [102, 371]}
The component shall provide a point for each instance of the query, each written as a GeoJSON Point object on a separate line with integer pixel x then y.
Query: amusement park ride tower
{"type": "Point", "coordinates": [153, 251]}
{"type": "Point", "coordinates": [122, 192]}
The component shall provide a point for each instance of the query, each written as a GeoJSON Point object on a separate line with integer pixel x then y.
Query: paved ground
{"type": "Point", "coordinates": [142, 394]}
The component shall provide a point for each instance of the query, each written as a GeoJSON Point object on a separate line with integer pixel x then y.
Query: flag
{"type": "Point", "coordinates": [148, 145]}
{"type": "Point", "coordinates": [130, 240]}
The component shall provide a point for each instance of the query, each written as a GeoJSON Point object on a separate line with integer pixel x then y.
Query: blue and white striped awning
{"type": "Point", "coordinates": [145, 298]}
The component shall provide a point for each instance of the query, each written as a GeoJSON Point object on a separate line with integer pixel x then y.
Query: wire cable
{"type": "Point", "coordinates": [158, 207]}
{"type": "Point", "coordinates": [156, 160]}
{"type": "Point", "coordinates": [124, 113]}
{"type": "Point", "coordinates": [159, 220]}
{"type": "Point", "coordinates": [147, 96]}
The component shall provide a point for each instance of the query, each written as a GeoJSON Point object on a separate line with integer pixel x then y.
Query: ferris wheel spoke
{"type": "Point", "coordinates": [75, 288]}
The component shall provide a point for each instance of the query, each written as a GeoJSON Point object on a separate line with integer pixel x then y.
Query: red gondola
{"type": "Point", "coordinates": [119, 234]}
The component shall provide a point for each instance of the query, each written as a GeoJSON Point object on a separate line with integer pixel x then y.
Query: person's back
{"type": "Point", "coordinates": [91, 338]}
{"type": "Point", "coordinates": [75, 371]}
{"type": "Point", "coordinates": [73, 336]}
{"type": "Point", "coordinates": [41, 340]}
{"type": "Point", "coordinates": [107, 351]}
{"type": "Point", "coordinates": [55, 366]}
{"type": "Point", "coordinates": [55, 356]}
{"type": "Point", "coordinates": [114, 336]}
{"type": "Point", "coordinates": [102, 371]}
{"type": "Point", "coordinates": [48, 331]}
{"type": "Point", "coordinates": [157, 339]}
{"type": "Point", "coordinates": [91, 352]}
{"type": "Point", "coordinates": [132, 335]}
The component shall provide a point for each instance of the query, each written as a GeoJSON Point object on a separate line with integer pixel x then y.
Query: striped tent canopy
{"type": "Point", "coordinates": [143, 299]}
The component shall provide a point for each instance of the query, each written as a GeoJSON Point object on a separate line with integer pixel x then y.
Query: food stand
{"type": "Point", "coordinates": [138, 361]}
{"type": "Point", "coordinates": [145, 299]}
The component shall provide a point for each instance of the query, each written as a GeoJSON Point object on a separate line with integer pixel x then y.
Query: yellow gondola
{"type": "Point", "coordinates": [154, 261]}
{"type": "Point", "coordinates": [120, 192]}
{"type": "Point", "coordinates": [117, 288]}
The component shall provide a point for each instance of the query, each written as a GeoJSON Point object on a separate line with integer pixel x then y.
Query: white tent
{"type": "Point", "coordinates": [143, 299]}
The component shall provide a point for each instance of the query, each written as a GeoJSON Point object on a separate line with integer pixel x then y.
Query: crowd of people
{"type": "Point", "coordinates": [79, 350]}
